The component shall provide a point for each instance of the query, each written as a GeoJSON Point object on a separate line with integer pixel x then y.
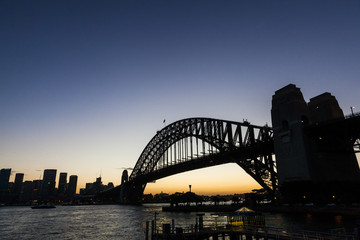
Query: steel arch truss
{"type": "Point", "coordinates": [189, 141]}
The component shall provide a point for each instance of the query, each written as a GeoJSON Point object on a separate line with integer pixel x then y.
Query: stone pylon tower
{"type": "Point", "coordinates": [308, 142]}
{"type": "Point", "coordinates": [124, 187]}
{"type": "Point", "coordinates": [332, 158]}
{"type": "Point", "coordinates": [289, 113]}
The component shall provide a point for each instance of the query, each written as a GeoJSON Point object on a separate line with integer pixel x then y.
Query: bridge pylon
{"type": "Point", "coordinates": [313, 142]}
{"type": "Point", "coordinates": [130, 192]}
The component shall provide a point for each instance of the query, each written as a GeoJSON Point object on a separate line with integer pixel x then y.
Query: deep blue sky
{"type": "Point", "coordinates": [86, 84]}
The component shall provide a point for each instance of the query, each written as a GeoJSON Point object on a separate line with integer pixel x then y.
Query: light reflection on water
{"type": "Point", "coordinates": [128, 222]}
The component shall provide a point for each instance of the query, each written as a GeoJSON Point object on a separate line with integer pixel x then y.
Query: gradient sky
{"type": "Point", "coordinates": [85, 85]}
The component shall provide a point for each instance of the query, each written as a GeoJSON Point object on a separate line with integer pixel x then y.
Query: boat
{"type": "Point", "coordinates": [41, 206]}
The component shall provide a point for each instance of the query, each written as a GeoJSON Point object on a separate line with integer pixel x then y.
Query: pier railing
{"type": "Point", "coordinates": [242, 232]}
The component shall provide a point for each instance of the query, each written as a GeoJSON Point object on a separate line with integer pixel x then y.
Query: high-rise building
{"type": "Point", "coordinates": [27, 193]}
{"type": "Point", "coordinates": [72, 185]}
{"type": "Point", "coordinates": [4, 183]}
{"type": "Point", "coordinates": [48, 184]}
{"type": "Point", "coordinates": [98, 185]}
{"type": "Point", "coordinates": [19, 178]}
{"type": "Point", "coordinates": [36, 189]}
{"type": "Point", "coordinates": [62, 183]}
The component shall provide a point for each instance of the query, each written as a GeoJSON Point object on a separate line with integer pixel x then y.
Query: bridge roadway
{"type": "Point", "coordinates": [342, 133]}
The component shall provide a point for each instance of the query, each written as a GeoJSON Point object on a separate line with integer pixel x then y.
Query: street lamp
{"type": "Point", "coordinates": [352, 110]}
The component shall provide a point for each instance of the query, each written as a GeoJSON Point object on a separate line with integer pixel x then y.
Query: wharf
{"type": "Point", "coordinates": [246, 233]}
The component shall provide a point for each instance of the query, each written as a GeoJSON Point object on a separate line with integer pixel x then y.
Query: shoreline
{"type": "Point", "coordinates": [333, 210]}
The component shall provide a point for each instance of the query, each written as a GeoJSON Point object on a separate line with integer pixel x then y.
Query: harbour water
{"type": "Point", "coordinates": [129, 222]}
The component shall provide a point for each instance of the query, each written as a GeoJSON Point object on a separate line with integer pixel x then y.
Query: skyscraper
{"type": "Point", "coordinates": [62, 183]}
{"type": "Point", "coordinates": [72, 185]}
{"type": "Point", "coordinates": [48, 184]}
{"type": "Point", "coordinates": [19, 178]}
{"type": "Point", "coordinates": [4, 182]}
{"type": "Point", "coordinates": [27, 193]}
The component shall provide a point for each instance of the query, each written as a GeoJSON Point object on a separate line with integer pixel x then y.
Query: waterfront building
{"type": "Point", "coordinates": [4, 183]}
{"type": "Point", "coordinates": [62, 183]}
{"type": "Point", "coordinates": [48, 184]}
{"type": "Point", "coordinates": [36, 189]}
{"type": "Point", "coordinates": [109, 186]}
{"type": "Point", "coordinates": [88, 186]}
{"type": "Point", "coordinates": [16, 192]}
{"type": "Point", "coordinates": [72, 185]}
{"type": "Point", "coordinates": [98, 185]}
{"type": "Point", "coordinates": [27, 191]}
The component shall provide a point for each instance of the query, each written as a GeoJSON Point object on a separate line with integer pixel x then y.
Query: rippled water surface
{"type": "Point", "coordinates": [128, 222]}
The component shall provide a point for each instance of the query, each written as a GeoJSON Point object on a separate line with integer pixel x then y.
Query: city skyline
{"type": "Point", "coordinates": [84, 87]}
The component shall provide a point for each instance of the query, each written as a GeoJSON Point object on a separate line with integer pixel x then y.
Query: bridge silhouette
{"type": "Point", "coordinates": [195, 143]}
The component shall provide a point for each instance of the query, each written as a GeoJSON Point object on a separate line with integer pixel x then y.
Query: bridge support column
{"type": "Point", "coordinates": [289, 112]}
{"type": "Point", "coordinates": [130, 192]}
{"type": "Point", "coordinates": [311, 143]}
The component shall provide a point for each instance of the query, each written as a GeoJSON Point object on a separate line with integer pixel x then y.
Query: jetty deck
{"type": "Point", "coordinates": [245, 233]}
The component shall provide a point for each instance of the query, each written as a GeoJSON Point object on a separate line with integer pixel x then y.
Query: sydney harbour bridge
{"type": "Point", "coordinates": [300, 135]}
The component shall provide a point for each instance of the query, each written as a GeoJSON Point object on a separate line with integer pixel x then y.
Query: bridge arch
{"type": "Point", "coordinates": [195, 143]}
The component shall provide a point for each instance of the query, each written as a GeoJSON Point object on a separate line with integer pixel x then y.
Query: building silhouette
{"type": "Point", "coordinates": [37, 184]}
{"type": "Point", "coordinates": [48, 184]}
{"type": "Point", "coordinates": [62, 183]}
{"type": "Point", "coordinates": [17, 189]}
{"type": "Point", "coordinates": [27, 192]}
{"type": "Point", "coordinates": [4, 184]}
{"type": "Point", "coordinates": [71, 191]}
{"type": "Point", "coordinates": [98, 186]}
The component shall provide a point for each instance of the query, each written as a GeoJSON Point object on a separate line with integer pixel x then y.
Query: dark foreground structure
{"type": "Point", "coordinates": [254, 228]}
{"type": "Point", "coordinates": [249, 233]}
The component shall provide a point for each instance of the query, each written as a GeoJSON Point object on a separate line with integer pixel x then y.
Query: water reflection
{"type": "Point", "coordinates": [338, 220]}
{"type": "Point", "coordinates": [308, 219]}
{"type": "Point", "coordinates": [128, 222]}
